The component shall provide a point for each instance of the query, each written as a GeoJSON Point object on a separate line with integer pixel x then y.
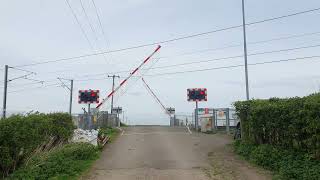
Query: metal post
{"type": "Point", "coordinates": [112, 94]}
{"type": "Point", "coordinates": [113, 76]}
{"type": "Point", "coordinates": [196, 117]}
{"type": "Point", "coordinates": [227, 121]}
{"type": "Point", "coordinates": [4, 107]}
{"type": "Point", "coordinates": [89, 117]}
{"type": "Point", "coordinates": [123, 116]}
{"type": "Point", "coordinates": [118, 120]}
{"type": "Point", "coordinates": [71, 94]}
{"type": "Point", "coordinates": [245, 50]}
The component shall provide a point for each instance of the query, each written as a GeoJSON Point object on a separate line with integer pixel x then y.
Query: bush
{"type": "Point", "coordinates": [61, 125]}
{"type": "Point", "coordinates": [292, 123]}
{"type": "Point", "coordinates": [286, 164]}
{"type": "Point", "coordinates": [20, 136]}
{"type": "Point", "coordinates": [67, 162]}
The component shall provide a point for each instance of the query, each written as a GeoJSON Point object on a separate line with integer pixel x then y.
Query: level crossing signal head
{"type": "Point", "coordinates": [197, 94]}
{"type": "Point", "coordinates": [88, 96]}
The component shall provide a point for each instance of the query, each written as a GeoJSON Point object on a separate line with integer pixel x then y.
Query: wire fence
{"type": "Point", "coordinates": [95, 121]}
{"type": "Point", "coordinates": [209, 119]}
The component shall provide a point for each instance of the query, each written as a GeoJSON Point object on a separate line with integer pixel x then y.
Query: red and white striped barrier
{"type": "Point", "coordinates": [126, 79]}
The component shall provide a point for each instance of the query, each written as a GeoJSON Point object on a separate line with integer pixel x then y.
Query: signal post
{"type": "Point", "coordinates": [88, 97]}
{"type": "Point", "coordinates": [196, 95]}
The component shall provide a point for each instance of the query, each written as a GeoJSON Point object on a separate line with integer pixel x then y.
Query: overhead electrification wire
{"type": "Point", "coordinates": [204, 50]}
{"type": "Point", "coordinates": [23, 70]}
{"type": "Point", "coordinates": [220, 67]}
{"type": "Point", "coordinates": [100, 24]}
{"type": "Point", "coordinates": [78, 22]}
{"type": "Point", "coordinates": [39, 87]}
{"type": "Point", "coordinates": [233, 66]}
{"type": "Point", "coordinates": [210, 60]}
{"type": "Point", "coordinates": [189, 63]}
{"type": "Point", "coordinates": [238, 56]}
{"type": "Point", "coordinates": [240, 44]}
{"type": "Point", "coordinates": [35, 81]}
{"type": "Point", "coordinates": [169, 40]}
{"type": "Point", "coordinates": [91, 27]}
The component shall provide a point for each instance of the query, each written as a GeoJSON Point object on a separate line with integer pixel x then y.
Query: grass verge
{"type": "Point", "coordinates": [70, 161]}
{"type": "Point", "coordinates": [285, 164]}
{"type": "Point", "coordinates": [66, 162]}
{"type": "Point", "coordinates": [110, 132]}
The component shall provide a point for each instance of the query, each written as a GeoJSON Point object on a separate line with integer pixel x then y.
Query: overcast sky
{"type": "Point", "coordinates": [41, 30]}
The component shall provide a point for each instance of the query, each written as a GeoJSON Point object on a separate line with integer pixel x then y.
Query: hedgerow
{"type": "Point", "coordinates": [282, 135]}
{"type": "Point", "coordinates": [66, 162]}
{"type": "Point", "coordinates": [22, 136]}
{"type": "Point", "coordinates": [286, 164]}
{"type": "Point", "coordinates": [292, 123]}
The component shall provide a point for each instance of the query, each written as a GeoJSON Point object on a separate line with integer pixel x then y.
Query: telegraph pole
{"type": "Point", "coordinates": [245, 50]}
{"type": "Point", "coordinates": [71, 93]}
{"type": "Point", "coordinates": [4, 107]}
{"type": "Point", "coordinates": [113, 76]}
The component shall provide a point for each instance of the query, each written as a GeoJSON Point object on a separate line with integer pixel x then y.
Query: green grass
{"type": "Point", "coordinates": [66, 162]}
{"type": "Point", "coordinates": [108, 131]}
{"type": "Point", "coordinates": [286, 164]}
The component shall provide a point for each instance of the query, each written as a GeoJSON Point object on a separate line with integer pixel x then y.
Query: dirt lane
{"type": "Point", "coordinates": [164, 153]}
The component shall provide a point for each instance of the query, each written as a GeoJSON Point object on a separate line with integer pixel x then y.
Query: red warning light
{"type": "Point", "coordinates": [202, 92]}
{"type": "Point", "coordinates": [93, 94]}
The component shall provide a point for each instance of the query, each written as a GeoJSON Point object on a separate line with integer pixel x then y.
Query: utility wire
{"type": "Point", "coordinates": [22, 70]}
{"type": "Point", "coordinates": [35, 81]}
{"type": "Point", "coordinates": [240, 44]}
{"type": "Point", "coordinates": [227, 67]}
{"type": "Point", "coordinates": [195, 62]}
{"type": "Point", "coordinates": [217, 68]}
{"type": "Point", "coordinates": [100, 24]}
{"type": "Point", "coordinates": [233, 66]}
{"type": "Point", "coordinates": [169, 40]}
{"type": "Point", "coordinates": [81, 28]}
{"type": "Point", "coordinates": [211, 60]}
{"type": "Point", "coordinates": [39, 87]}
{"type": "Point", "coordinates": [238, 56]}
{"type": "Point", "coordinates": [91, 27]}
{"type": "Point", "coordinates": [206, 50]}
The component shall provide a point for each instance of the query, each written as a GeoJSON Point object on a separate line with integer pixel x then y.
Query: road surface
{"type": "Point", "coordinates": [166, 153]}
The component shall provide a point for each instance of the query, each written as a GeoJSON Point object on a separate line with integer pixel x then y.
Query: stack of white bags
{"type": "Point", "coordinates": [89, 136]}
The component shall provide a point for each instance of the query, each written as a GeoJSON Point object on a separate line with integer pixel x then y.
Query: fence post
{"type": "Point", "coordinates": [227, 120]}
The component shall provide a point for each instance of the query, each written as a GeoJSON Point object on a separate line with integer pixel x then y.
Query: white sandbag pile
{"type": "Point", "coordinates": [90, 136]}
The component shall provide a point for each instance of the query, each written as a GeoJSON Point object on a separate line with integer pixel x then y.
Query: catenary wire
{"type": "Point", "coordinates": [100, 24]}
{"type": "Point", "coordinates": [217, 68]}
{"type": "Point", "coordinates": [79, 24]}
{"type": "Point", "coordinates": [206, 50]}
{"type": "Point", "coordinates": [238, 56]}
{"type": "Point", "coordinates": [92, 28]}
{"type": "Point", "coordinates": [233, 66]}
{"type": "Point", "coordinates": [212, 60]}
{"type": "Point", "coordinates": [195, 62]}
{"type": "Point", "coordinates": [169, 40]}
{"type": "Point", "coordinates": [39, 87]}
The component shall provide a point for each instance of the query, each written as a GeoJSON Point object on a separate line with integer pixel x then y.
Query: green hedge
{"type": "Point", "coordinates": [286, 164]}
{"type": "Point", "coordinates": [67, 162]}
{"type": "Point", "coordinates": [20, 136]}
{"type": "Point", "coordinates": [292, 123]}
